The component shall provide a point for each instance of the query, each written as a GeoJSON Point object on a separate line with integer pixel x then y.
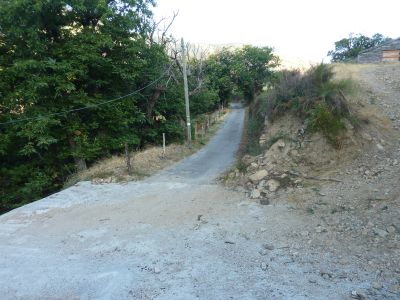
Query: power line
{"type": "Point", "coordinates": [87, 107]}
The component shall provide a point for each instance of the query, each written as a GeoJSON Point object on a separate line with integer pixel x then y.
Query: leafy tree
{"type": "Point", "coordinates": [247, 69]}
{"type": "Point", "coordinates": [67, 70]}
{"type": "Point", "coordinates": [58, 56]}
{"type": "Point", "coordinates": [219, 71]}
{"type": "Point", "coordinates": [348, 48]}
{"type": "Point", "coordinates": [253, 69]}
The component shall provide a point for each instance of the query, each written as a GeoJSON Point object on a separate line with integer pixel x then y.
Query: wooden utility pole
{"type": "Point", "coordinates": [185, 82]}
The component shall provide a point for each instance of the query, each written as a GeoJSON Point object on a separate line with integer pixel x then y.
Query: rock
{"type": "Point", "coordinates": [280, 144]}
{"type": "Point", "coordinates": [380, 147]}
{"type": "Point", "coordinates": [320, 229]}
{"type": "Point", "coordinates": [258, 176]}
{"type": "Point", "coordinates": [391, 229]}
{"type": "Point", "coordinates": [261, 184]}
{"type": "Point", "coordinates": [264, 266]}
{"type": "Point", "coordinates": [157, 270]}
{"type": "Point", "coordinates": [268, 246]}
{"type": "Point", "coordinates": [255, 194]}
{"type": "Point", "coordinates": [253, 165]}
{"type": "Point", "coordinates": [325, 276]}
{"type": "Point", "coordinates": [357, 295]}
{"type": "Point", "coordinates": [264, 201]}
{"type": "Point", "coordinates": [273, 185]}
{"type": "Point", "coordinates": [379, 232]}
{"type": "Point", "coordinates": [366, 136]}
{"type": "Point", "coordinates": [377, 285]}
{"type": "Point", "coordinates": [395, 289]}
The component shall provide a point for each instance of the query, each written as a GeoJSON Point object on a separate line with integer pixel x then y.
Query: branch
{"type": "Point", "coordinates": [313, 178]}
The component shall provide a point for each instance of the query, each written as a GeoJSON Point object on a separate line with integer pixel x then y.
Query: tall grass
{"type": "Point", "coordinates": [315, 97]}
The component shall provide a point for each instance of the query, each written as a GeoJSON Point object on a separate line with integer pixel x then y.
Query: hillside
{"type": "Point", "coordinates": [351, 195]}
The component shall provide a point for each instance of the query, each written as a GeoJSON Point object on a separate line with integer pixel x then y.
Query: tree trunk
{"type": "Point", "coordinates": [80, 162]}
{"type": "Point", "coordinates": [152, 102]}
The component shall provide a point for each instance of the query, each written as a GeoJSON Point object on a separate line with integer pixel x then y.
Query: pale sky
{"type": "Point", "coordinates": [304, 30]}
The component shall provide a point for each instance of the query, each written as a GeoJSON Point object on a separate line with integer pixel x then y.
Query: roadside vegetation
{"type": "Point", "coordinates": [144, 162]}
{"type": "Point", "coordinates": [315, 97]}
{"type": "Point", "coordinates": [81, 81]}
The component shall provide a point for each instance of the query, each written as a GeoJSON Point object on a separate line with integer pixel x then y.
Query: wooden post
{"type": "Point", "coordinates": [185, 82]}
{"type": "Point", "coordinates": [163, 144]}
{"type": "Point", "coordinates": [128, 159]}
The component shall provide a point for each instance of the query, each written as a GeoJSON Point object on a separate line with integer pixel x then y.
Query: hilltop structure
{"type": "Point", "coordinates": [386, 52]}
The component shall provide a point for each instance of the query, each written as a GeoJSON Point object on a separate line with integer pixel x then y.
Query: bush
{"type": "Point", "coordinates": [322, 119]}
{"type": "Point", "coordinates": [314, 96]}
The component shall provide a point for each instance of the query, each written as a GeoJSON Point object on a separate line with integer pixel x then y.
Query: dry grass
{"type": "Point", "coordinates": [144, 163]}
{"type": "Point", "coordinates": [363, 99]}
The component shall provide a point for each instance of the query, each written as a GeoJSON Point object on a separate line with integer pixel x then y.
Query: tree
{"type": "Point", "coordinates": [219, 71]}
{"type": "Point", "coordinates": [348, 48]}
{"type": "Point", "coordinates": [58, 56]}
{"type": "Point", "coordinates": [253, 68]}
{"type": "Point", "coordinates": [247, 69]}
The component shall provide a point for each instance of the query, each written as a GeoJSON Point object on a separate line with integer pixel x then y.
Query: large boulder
{"type": "Point", "coordinates": [258, 176]}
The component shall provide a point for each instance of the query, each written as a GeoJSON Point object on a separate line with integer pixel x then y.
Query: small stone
{"type": "Point", "coordinates": [268, 246]}
{"type": "Point", "coordinates": [264, 201]}
{"type": "Point", "coordinates": [357, 295]}
{"type": "Point", "coordinates": [366, 136]}
{"type": "Point", "coordinates": [157, 270]}
{"type": "Point", "coordinates": [391, 229]}
{"type": "Point", "coordinates": [264, 266]}
{"type": "Point", "coordinates": [379, 232]}
{"type": "Point", "coordinates": [325, 276]}
{"type": "Point", "coordinates": [380, 147]}
{"type": "Point", "coordinates": [273, 185]}
{"type": "Point", "coordinates": [395, 289]}
{"type": "Point", "coordinates": [320, 229]}
{"type": "Point", "coordinates": [280, 144]}
{"type": "Point", "coordinates": [377, 285]}
{"type": "Point", "coordinates": [255, 194]}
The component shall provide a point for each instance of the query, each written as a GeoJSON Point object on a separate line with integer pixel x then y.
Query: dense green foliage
{"type": "Point", "coordinates": [67, 72]}
{"type": "Point", "coordinates": [248, 70]}
{"type": "Point", "coordinates": [348, 48]}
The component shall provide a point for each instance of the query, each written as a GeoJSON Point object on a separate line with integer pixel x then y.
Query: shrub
{"type": "Point", "coordinates": [322, 119]}
{"type": "Point", "coordinates": [315, 97]}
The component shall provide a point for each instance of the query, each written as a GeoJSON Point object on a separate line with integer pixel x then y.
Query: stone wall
{"type": "Point", "coordinates": [374, 54]}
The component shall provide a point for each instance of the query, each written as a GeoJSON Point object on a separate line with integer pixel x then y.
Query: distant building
{"type": "Point", "coordinates": [389, 51]}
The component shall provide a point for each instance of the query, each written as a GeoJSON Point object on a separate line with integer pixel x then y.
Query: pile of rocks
{"type": "Point", "coordinates": [265, 174]}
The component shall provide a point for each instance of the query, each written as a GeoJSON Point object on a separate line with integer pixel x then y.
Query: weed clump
{"type": "Point", "coordinates": [315, 97]}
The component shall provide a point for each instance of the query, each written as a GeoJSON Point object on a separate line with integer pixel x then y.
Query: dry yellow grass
{"type": "Point", "coordinates": [363, 98]}
{"type": "Point", "coordinates": [144, 163]}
